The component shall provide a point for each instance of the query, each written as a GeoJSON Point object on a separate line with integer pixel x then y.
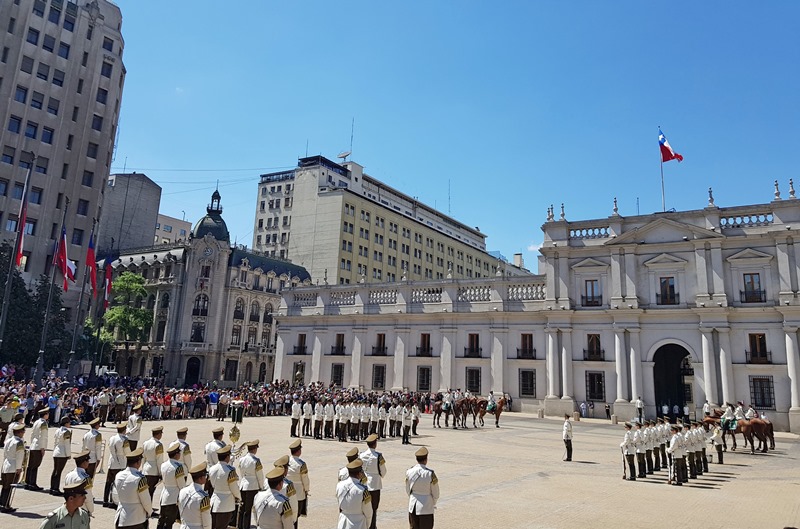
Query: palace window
{"type": "Point", "coordinates": [379, 376]}
{"type": "Point", "coordinates": [762, 392]}
{"type": "Point", "coordinates": [424, 378]}
{"type": "Point", "coordinates": [473, 378]}
{"type": "Point", "coordinates": [527, 383]}
{"type": "Point", "coordinates": [337, 374]}
{"type": "Point", "coordinates": [595, 386]}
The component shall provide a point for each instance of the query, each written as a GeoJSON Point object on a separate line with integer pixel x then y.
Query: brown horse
{"type": "Point", "coordinates": [748, 428]}
{"type": "Point", "coordinates": [498, 410]}
{"type": "Point", "coordinates": [437, 414]}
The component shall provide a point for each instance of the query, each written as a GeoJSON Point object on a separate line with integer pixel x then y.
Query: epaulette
{"type": "Point", "coordinates": [126, 444]}
{"type": "Point", "coordinates": [434, 479]}
{"type": "Point", "coordinates": [20, 445]}
{"type": "Point", "coordinates": [159, 449]}
{"type": "Point", "coordinates": [304, 468]}
{"type": "Point", "coordinates": [290, 489]}
{"type": "Point", "coordinates": [68, 435]}
{"type": "Point", "coordinates": [287, 509]}
{"type": "Point", "coordinates": [232, 476]}
{"type": "Point", "coordinates": [186, 451]}
{"type": "Point", "coordinates": [179, 471]}
{"type": "Point", "coordinates": [367, 497]}
{"type": "Point", "coordinates": [259, 466]}
{"type": "Point", "coordinates": [98, 438]}
{"type": "Point", "coordinates": [205, 504]}
{"type": "Point", "coordinates": [381, 460]}
{"type": "Point", "coordinates": [142, 485]}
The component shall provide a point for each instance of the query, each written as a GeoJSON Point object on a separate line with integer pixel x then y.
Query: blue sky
{"type": "Point", "coordinates": [512, 105]}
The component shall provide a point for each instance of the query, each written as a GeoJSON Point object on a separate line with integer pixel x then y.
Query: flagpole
{"type": "Point", "coordinates": [80, 305]}
{"type": "Point", "coordinates": [40, 361]}
{"type": "Point", "coordinates": [99, 324]}
{"type": "Point", "coordinates": [13, 258]}
{"type": "Point", "coordinates": [663, 201]}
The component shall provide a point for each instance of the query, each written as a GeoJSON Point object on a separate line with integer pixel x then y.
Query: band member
{"type": "Point", "coordinates": [39, 441]}
{"type": "Point", "coordinates": [134, 426]}
{"type": "Point", "coordinates": [422, 487]}
{"type": "Point", "coordinates": [194, 504]}
{"type": "Point", "coordinates": [93, 443]}
{"type": "Point", "coordinates": [375, 470]}
{"type": "Point", "coordinates": [13, 457]}
{"type": "Point", "coordinates": [174, 477]}
{"type": "Point", "coordinates": [62, 451]}
{"type": "Point", "coordinates": [134, 505]}
{"type": "Point", "coordinates": [211, 454]}
{"type": "Point", "coordinates": [186, 450]}
{"type": "Point", "coordinates": [250, 483]}
{"type": "Point", "coordinates": [226, 489]}
{"type": "Point", "coordinates": [272, 507]}
{"type": "Point", "coordinates": [80, 476]}
{"type": "Point", "coordinates": [298, 474]}
{"type": "Point", "coordinates": [153, 452]}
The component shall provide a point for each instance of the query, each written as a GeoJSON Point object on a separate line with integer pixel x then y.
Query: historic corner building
{"type": "Point", "coordinates": [213, 307]}
{"type": "Point", "coordinates": [675, 307]}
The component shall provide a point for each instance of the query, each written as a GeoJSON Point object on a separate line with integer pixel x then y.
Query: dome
{"type": "Point", "coordinates": [212, 223]}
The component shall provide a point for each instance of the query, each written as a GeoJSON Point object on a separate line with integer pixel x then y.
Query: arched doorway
{"type": "Point", "coordinates": [192, 371]}
{"type": "Point", "coordinates": [129, 366]}
{"type": "Point", "coordinates": [142, 363]}
{"type": "Point", "coordinates": [672, 364]}
{"type": "Point", "coordinates": [262, 372]}
{"type": "Point", "coordinates": [248, 372]}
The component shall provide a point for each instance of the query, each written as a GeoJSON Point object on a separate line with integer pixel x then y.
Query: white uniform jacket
{"type": "Point", "coordinates": [374, 467]}
{"type": "Point", "coordinates": [226, 488]}
{"type": "Point", "coordinates": [211, 452]}
{"type": "Point", "coordinates": [134, 427]}
{"type": "Point", "coordinates": [355, 505]}
{"type": "Point", "coordinates": [134, 506]}
{"type": "Point", "coordinates": [273, 510]}
{"type": "Point", "coordinates": [39, 437]}
{"type": "Point", "coordinates": [252, 472]}
{"type": "Point", "coordinates": [93, 442]}
{"type": "Point", "coordinates": [627, 445]}
{"type": "Point", "coordinates": [81, 476]}
{"type": "Point", "coordinates": [153, 457]}
{"type": "Point", "coordinates": [298, 474]}
{"type": "Point", "coordinates": [118, 449]}
{"type": "Point", "coordinates": [62, 443]}
{"type": "Point", "coordinates": [186, 455]}
{"type": "Point", "coordinates": [174, 478]}
{"type": "Point", "coordinates": [13, 454]}
{"type": "Point", "coordinates": [194, 507]}
{"type": "Point", "coordinates": [422, 487]}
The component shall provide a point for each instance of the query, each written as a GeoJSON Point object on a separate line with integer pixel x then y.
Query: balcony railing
{"type": "Point", "coordinates": [199, 312]}
{"type": "Point", "coordinates": [300, 350]}
{"type": "Point", "coordinates": [596, 355]}
{"type": "Point", "coordinates": [758, 357]}
{"type": "Point", "coordinates": [473, 352]}
{"type": "Point", "coordinates": [379, 351]}
{"type": "Point", "coordinates": [753, 296]}
{"type": "Point", "coordinates": [338, 350]}
{"type": "Point", "coordinates": [267, 318]}
{"type": "Point", "coordinates": [528, 353]}
{"type": "Point", "coordinates": [238, 314]}
{"type": "Point", "coordinates": [672, 299]}
{"type": "Point", "coordinates": [254, 318]}
{"type": "Point", "coordinates": [591, 301]}
{"type": "Point", "coordinates": [424, 351]}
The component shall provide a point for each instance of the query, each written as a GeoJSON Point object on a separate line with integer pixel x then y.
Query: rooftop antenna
{"type": "Point", "coordinates": [306, 147]}
{"type": "Point", "coordinates": [448, 196]}
{"type": "Point", "coordinates": [344, 154]}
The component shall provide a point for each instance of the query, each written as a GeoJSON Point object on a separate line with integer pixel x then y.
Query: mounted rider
{"type": "Point", "coordinates": [491, 404]}
{"type": "Point", "coordinates": [448, 401]}
{"type": "Point", "coordinates": [728, 419]}
{"type": "Point", "coordinates": [751, 413]}
{"type": "Point", "coordinates": [739, 411]}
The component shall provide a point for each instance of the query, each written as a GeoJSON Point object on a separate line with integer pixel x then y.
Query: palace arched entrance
{"type": "Point", "coordinates": [671, 371]}
{"type": "Point", "coordinates": [192, 371]}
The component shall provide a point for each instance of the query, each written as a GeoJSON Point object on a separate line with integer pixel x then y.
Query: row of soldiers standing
{"type": "Point", "coordinates": [657, 445]}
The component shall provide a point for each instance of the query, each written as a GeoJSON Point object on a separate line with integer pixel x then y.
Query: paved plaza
{"type": "Point", "coordinates": [511, 477]}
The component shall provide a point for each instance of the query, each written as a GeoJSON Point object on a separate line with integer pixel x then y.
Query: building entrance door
{"type": "Point", "coordinates": [668, 377]}
{"type": "Point", "coordinates": [192, 371]}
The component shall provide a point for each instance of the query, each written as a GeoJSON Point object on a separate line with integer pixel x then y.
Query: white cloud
{"type": "Point", "coordinates": [179, 91]}
{"type": "Point", "coordinates": [534, 246]}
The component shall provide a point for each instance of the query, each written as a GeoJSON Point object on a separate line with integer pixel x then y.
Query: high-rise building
{"type": "Point", "coordinates": [130, 213]}
{"type": "Point", "coordinates": [344, 227]}
{"type": "Point", "coordinates": [171, 229]}
{"type": "Point", "coordinates": [61, 79]}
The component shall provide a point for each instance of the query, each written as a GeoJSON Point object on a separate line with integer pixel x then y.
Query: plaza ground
{"type": "Point", "coordinates": [511, 477]}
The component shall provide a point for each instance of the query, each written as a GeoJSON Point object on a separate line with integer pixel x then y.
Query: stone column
{"type": "Point", "coordinates": [566, 365]}
{"type": "Point", "coordinates": [498, 358]}
{"type": "Point", "coordinates": [726, 366]}
{"type": "Point", "coordinates": [709, 367]}
{"type": "Point", "coordinates": [636, 363]}
{"type": "Point", "coordinates": [620, 359]}
{"type": "Point", "coordinates": [447, 358]}
{"type": "Point", "coordinates": [316, 358]}
{"type": "Point", "coordinates": [281, 358]}
{"type": "Point", "coordinates": [401, 339]}
{"type": "Point", "coordinates": [552, 364]}
{"type": "Point", "coordinates": [357, 356]}
{"type": "Point", "coordinates": [793, 366]}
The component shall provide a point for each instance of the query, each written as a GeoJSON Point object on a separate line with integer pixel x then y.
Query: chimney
{"type": "Point", "coordinates": [518, 261]}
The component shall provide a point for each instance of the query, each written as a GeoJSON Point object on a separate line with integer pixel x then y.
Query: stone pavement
{"type": "Point", "coordinates": [511, 477]}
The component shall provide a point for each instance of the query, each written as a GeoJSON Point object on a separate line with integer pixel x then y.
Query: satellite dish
{"type": "Point", "coordinates": [344, 155]}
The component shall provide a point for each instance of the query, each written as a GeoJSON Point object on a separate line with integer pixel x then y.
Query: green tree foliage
{"type": "Point", "coordinates": [127, 316]}
{"type": "Point", "coordinates": [26, 316]}
{"type": "Point", "coordinates": [89, 345]}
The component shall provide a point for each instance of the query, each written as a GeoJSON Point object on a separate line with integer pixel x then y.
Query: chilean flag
{"type": "Point", "coordinates": [667, 153]}
{"type": "Point", "coordinates": [61, 261]}
{"type": "Point", "coordinates": [107, 293]}
{"type": "Point", "coordinates": [91, 264]}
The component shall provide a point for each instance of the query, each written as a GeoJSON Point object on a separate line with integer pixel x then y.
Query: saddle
{"type": "Point", "coordinates": [446, 406]}
{"type": "Point", "coordinates": [490, 407]}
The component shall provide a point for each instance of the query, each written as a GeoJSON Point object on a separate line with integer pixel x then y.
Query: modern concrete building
{"type": "Point", "coordinates": [62, 77]}
{"type": "Point", "coordinates": [130, 212]}
{"type": "Point", "coordinates": [346, 227]}
{"type": "Point", "coordinates": [212, 304]}
{"type": "Point", "coordinates": [676, 307]}
{"type": "Point", "coordinates": [169, 230]}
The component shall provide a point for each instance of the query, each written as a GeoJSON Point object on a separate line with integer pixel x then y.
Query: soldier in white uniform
{"type": "Point", "coordinates": [153, 459]}
{"type": "Point", "coordinates": [674, 451]}
{"type": "Point", "coordinates": [250, 482]}
{"type": "Point", "coordinates": [134, 426]}
{"type": "Point", "coordinates": [308, 411]}
{"type": "Point", "coordinates": [343, 417]}
{"type": "Point", "coordinates": [118, 450]}
{"type": "Point", "coordinates": [133, 500]}
{"type": "Point", "coordinates": [415, 416]}
{"type": "Point", "coordinates": [62, 450]}
{"type": "Point", "coordinates": [298, 474]}
{"type": "Point", "coordinates": [406, 418]}
{"type": "Point", "coordinates": [355, 502]}
{"type": "Point", "coordinates": [288, 488]}
{"type": "Point", "coordinates": [648, 446]}
{"type": "Point", "coordinates": [566, 434]}
{"type": "Point", "coordinates": [628, 451]}
{"type": "Point", "coordinates": [392, 416]}
{"type": "Point", "coordinates": [39, 442]}
{"type": "Point", "coordinates": [194, 504]}
{"type": "Point", "coordinates": [639, 443]}
{"type": "Point", "coordinates": [351, 456]}
{"type": "Point", "coordinates": [13, 456]}
{"type": "Point", "coordinates": [80, 476]}
{"type": "Point", "coordinates": [173, 475]}
{"type": "Point", "coordinates": [226, 489]}
{"type": "Point", "coordinates": [186, 450]}
{"type": "Point", "coordinates": [319, 418]}
{"type": "Point", "coordinates": [71, 514]}
{"type": "Point", "coordinates": [688, 450]}
{"type": "Point", "coordinates": [422, 487]}
{"type": "Point", "coordinates": [297, 411]}
{"type": "Point", "coordinates": [93, 443]}
{"type": "Point", "coordinates": [272, 508]}
{"type": "Point", "coordinates": [382, 421]}
{"type": "Point", "coordinates": [211, 454]}
{"type": "Point", "coordinates": [330, 413]}
{"type": "Point", "coordinates": [375, 470]}
{"type": "Point", "coordinates": [103, 402]}
{"type": "Point", "coordinates": [716, 441]}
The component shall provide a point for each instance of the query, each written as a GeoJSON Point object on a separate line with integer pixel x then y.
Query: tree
{"type": "Point", "coordinates": [59, 339]}
{"type": "Point", "coordinates": [91, 345]}
{"type": "Point", "coordinates": [23, 327]}
{"type": "Point", "coordinates": [132, 322]}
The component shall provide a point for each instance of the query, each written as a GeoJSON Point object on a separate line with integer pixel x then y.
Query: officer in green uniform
{"type": "Point", "coordinates": [71, 515]}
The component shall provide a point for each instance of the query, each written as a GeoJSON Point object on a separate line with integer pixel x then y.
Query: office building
{"type": "Point", "coordinates": [169, 230]}
{"type": "Point", "coordinates": [676, 308]}
{"type": "Point", "coordinates": [129, 213]}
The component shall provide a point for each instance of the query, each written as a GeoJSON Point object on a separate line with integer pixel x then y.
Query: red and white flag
{"type": "Point", "coordinates": [667, 153]}
{"type": "Point", "coordinates": [107, 289]}
{"type": "Point", "coordinates": [61, 260]}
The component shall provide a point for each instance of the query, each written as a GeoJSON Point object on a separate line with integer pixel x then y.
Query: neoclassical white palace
{"type": "Point", "coordinates": [675, 307]}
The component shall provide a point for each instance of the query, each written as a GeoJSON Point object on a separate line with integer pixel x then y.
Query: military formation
{"type": "Point", "coordinates": [680, 449]}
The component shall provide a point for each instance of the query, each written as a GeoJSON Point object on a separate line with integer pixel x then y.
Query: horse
{"type": "Point", "coordinates": [479, 410]}
{"type": "Point", "coordinates": [437, 414]}
{"type": "Point", "coordinates": [498, 410]}
{"type": "Point", "coordinates": [748, 429]}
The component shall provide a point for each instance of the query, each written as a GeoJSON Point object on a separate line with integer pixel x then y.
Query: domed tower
{"type": "Point", "coordinates": [212, 223]}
